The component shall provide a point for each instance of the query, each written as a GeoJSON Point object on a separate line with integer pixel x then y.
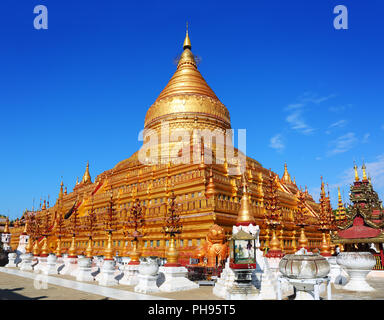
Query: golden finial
{"type": "Point", "coordinates": [210, 190]}
{"type": "Point", "coordinates": [339, 194]}
{"type": "Point", "coordinates": [61, 189]}
{"type": "Point", "coordinates": [356, 174]}
{"type": "Point", "coordinates": [65, 191]}
{"type": "Point", "coordinates": [187, 41]}
{"type": "Point", "coordinates": [322, 193]}
{"type": "Point", "coordinates": [6, 228]}
{"type": "Point", "coordinates": [87, 176]}
{"type": "Point", "coordinates": [245, 215]}
{"type": "Point", "coordinates": [25, 231]}
{"type": "Point", "coordinates": [77, 181]}
{"type": "Point", "coordinates": [364, 173]}
{"type": "Point", "coordinates": [286, 177]}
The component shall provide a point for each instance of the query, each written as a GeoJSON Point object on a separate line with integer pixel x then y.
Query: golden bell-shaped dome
{"type": "Point", "coordinates": [187, 98]}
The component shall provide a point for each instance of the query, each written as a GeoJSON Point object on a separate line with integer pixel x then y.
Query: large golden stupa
{"type": "Point", "coordinates": [207, 194]}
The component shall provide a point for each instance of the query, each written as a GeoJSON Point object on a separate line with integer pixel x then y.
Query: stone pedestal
{"type": "Point", "coordinates": [85, 270]}
{"type": "Point", "coordinates": [12, 260]}
{"type": "Point", "coordinates": [147, 284]}
{"type": "Point", "coordinates": [41, 264]}
{"type": "Point", "coordinates": [70, 265]}
{"type": "Point", "coordinates": [59, 264]}
{"type": "Point", "coordinates": [242, 288]}
{"type": "Point", "coordinates": [50, 266]}
{"type": "Point", "coordinates": [176, 279]}
{"type": "Point", "coordinates": [306, 289]}
{"type": "Point", "coordinates": [357, 265]}
{"type": "Point", "coordinates": [107, 274]}
{"type": "Point", "coordinates": [148, 275]}
{"type": "Point", "coordinates": [225, 281]}
{"type": "Point", "coordinates": [268, 285]}
{"type": "Point", "coordinates": [337, 275]}
{"type": "Point", "coordinates": [26, 262]}
{"type": "Point", "coordinates": [131, 275]}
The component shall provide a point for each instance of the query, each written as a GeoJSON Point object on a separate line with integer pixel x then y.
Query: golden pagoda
{"type": "Point", "coordinates": [340, 212]}
{"type": "Point", "coordinates": [206, 193]}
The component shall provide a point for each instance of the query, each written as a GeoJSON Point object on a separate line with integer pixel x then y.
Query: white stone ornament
{"type": "Point", "coordinates": [85, 270]}
{"type": "Point", "coordinates": [12, 260]}
{"type": "Point", "coordinates": [40, 265]}
{"type": "Point", "coordinates": [130, 273]}
{"type": "Point", "coordinates": [50, 266]}
{"type": "Point", "coordinates": [107, 274]}
{"type": "Point", "coordinates": [148, 275]}
{"type": "Point", "coordinates": [26, 262]}
{"type": "Point", "coordinates": [357, 265]}
{"type": "Point", "coordinates": [224, 282]}
{"type": "Point", "coordinates": [70, 265]}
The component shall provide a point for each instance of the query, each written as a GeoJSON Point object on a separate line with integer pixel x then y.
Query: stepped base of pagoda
{"type": "Point", "coordinates": [107, 274]}
{"type": "Point", "coordinates": [176, 279]}
{"type": "Point", "coordinates": [131, 275]}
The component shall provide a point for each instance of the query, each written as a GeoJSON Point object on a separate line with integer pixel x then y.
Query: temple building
{"type": "Point", "coordinates": [207, 194]}
{"type": "Point", "coordinates": [361, 227]}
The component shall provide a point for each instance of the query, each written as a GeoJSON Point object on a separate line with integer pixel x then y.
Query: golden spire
{"type": "Point", "coordinates": [6, 228]}
{"type": "Point", "coordinates": [356, 174]}
{"type": "Point", "coordinates": [25, 231]}
{"type": "Point", "coordinates": [65, 191]}
{"type": "Point", "coordinates": [44, 205]}
{"type": "Point", "coordinates": [340, 213]}
{"type": "Point", "coordinates": [61, 189]}
{"type": "Point", "coordinates": [364, 173]}
{"type": "Point", "coordinates": [322, 193]}
{"type": "Point", "coordinates": [77, 181]}
{"type": "Point", "coordinates": [187, 41]}
{"type": "Point", "coordinates": [87, 176]}
{"type": "Point", "coordinates": [245, 215]}
{"type": "Point", "coordinates": [210, 190]}
{"type": "Point", "coordinates": [286, 178]}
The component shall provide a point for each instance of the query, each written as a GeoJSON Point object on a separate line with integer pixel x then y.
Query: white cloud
{"type": "Point", "coordinates": [297, 122]}
{"type": "Point", "coordinates": [276, 142]}
{"type": "Point", "coordinates": [296, 118]}
{"type": "Point", "coordinates": [343, 143]}
{"type": "Point", "coordinates": [365, 138]}
{"type": "Point", "coordinates": [376, 170]}
{"type": "Point", "coordinates": [340, 108]}
{"type": "Point", "coordinates": [339, 124]}
{"type": "Point", "coordinates": [314, 98]}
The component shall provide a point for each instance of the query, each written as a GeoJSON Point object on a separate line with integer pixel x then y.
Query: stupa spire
{"type": "Point", "coordinates": [187, 41]}
{"type": "Point", "coordinates": [6, 228]}
{"type": "Point", "coordinates": [87, 176]}
{"type": "Point", "coordinates": [356, 173]}
{"type": "Point", "coordinates": [286, 178]}
{"type": "Point", "coordinates": [61, 189]}
{"type": "Point", "coordinates": [364, 172]}
{"type": "Point", "coordinates": [322, 193]}
{"type": "Point", "coordinates": [245, 215]}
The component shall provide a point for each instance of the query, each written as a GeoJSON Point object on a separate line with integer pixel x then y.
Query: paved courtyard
{"type": "Point", "coordinates": [22, 285]}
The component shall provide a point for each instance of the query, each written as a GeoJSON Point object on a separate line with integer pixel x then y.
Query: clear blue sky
{"type": "Point", "coordinates": [307, 94]}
